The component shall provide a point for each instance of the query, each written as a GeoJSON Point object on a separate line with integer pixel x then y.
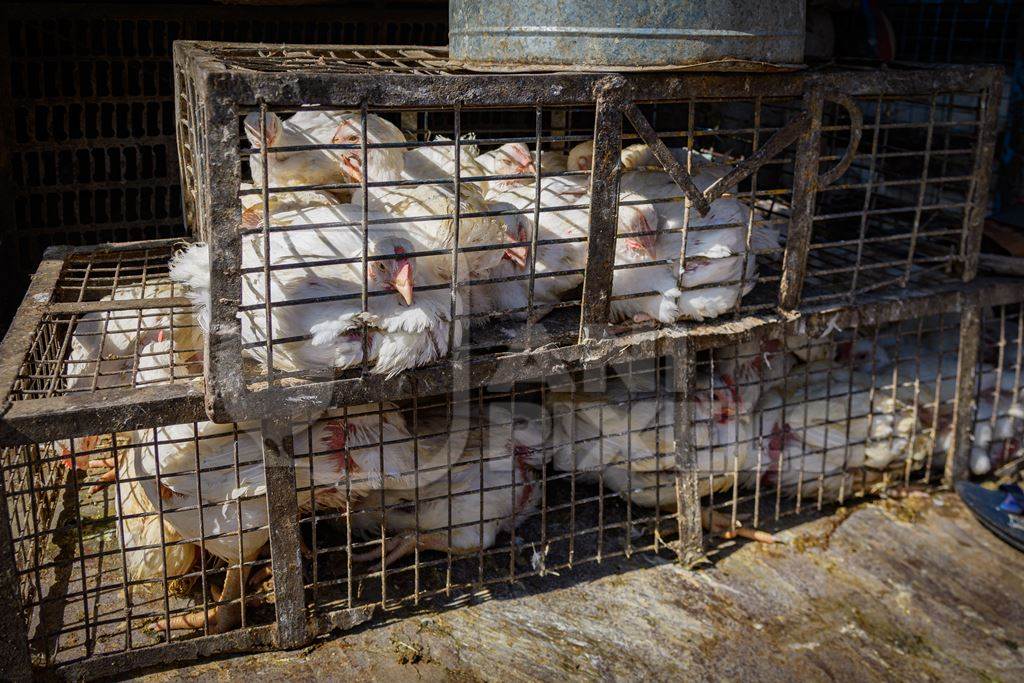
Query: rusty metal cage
{"type": "Point", "coordinates": [195, 509]}
{"type": "Point", "coordinates": [536, 446]}
{"type": "Point", "coordinates": [869, 410]}
{"type": "Point", "coordinates": [829, 184]}
{"type": "Point", "coordinates": [438, 494]}
{"type": "Point", "coordinates": [999, 419]}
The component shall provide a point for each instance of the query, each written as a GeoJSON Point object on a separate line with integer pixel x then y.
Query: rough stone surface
{"type": "Point", "coordinates": [886, 590]}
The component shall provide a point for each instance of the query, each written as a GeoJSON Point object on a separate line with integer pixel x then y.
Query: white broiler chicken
{"type": "Point", "coordinates": [404, 329]}
{"type": "Point", "coordinates": [252, 204]}
{"type": "Point", "coordinates": [437, 162]}
{"type": "Point", "coordinates": [581, 156]}
{"type": "Point", "coordinates": [615, 428]}
{"type": "Point", "coordinates": [428, 209]}
{"type": "Point", "coordinates": [998, 424]}
{"type": "Point", "coordinates": [295, 168]}
{"type": "Point", "coordinates": [718, 268]}
{"type": "Point", "coordinates": [559, 266]}
{"type": "Point", "coordinates": [461, 512]}
{"type": "Point", "coordinates": [104, 342]}
{"type": "Point", "coordinates": [476, 451]}
{"type": "Point", "coordinates": [998, 431]}
{"type": "Point", "coordinates": [153, 547]}
{"type": "Point", "coordinates": [561, 255]}
{"type": "Point", "coordinates": [750, 368]}
{"type": "Point", "coordinates": [516, 158]}
{"type": "Point", "coordinates": [220, 468]}
{"type": "Point", "coordinates": [644, 286]}
{"type": "Point", "coordinates": [103, 353]}
{"type": "Point", "coordinates": [640, 157]}
{"type": "Point", "coordinates": [628, 445]}
{"type": "Point", "coordinates": [823, 425]}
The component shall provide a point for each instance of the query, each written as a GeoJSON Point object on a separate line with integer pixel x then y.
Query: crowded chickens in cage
{"type": "Point", "coordinates": [798, 417]}
{"type": "Point", "coordinates": [818, 418]}
{"type": "Point", "coordinates": [519, 220]}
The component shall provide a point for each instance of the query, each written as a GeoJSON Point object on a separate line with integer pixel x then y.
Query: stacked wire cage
{"type": "Point", "coordinates": [182, 463]}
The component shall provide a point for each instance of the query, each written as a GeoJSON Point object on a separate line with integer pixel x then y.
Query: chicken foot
{"type": "Point", "coordinates": [718, 523]}
{"type": "Point", "coordinates": [221, 618]}
{"type": "Point", "coordinates": [257, 577]}
{"type": "Point", "coordinates": [399, 546]}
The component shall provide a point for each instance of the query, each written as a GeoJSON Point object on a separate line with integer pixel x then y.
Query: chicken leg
{"type": "Point", "coordinates": [717, 523]}
{"type": "Point", "coordinates": [399, 546]}
{"type": "Point", "coordinates": [221, 618]}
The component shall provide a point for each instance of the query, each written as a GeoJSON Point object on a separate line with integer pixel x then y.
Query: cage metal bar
{"type": "Point", "coordinates": [17, 343]}
{"type": "Point", "coordinates": [801, 221]}
{"type": "Point", "coordinates": [440, 87]}
{"type": "Point", "coordinates": [680, 176]}
{"type": "Point", "coordinates": [210, 63]}
{"type": "Point", "coordinates": [604, 197]}
{"type": "Point", "coordinates": [285, 545]}
{"type": "Point", "coordinates": [223, 341]}
{"type": "Point", "coordinates": [267, 256]}
{"type": "Point", "coordinates": [982, 174]}
{"type": "Point", "coordinates": [964, 403]}
{"type": "Point", "coordinates": [46, 419]}
{"type": "Point", "coordinates": [922, 190]}
{"type": "Point", "coordinates": [14, 645]}
{"type": "Point", "coordinates": [252, 639]}
{"type": "Point", "coordinates": [691, 539]}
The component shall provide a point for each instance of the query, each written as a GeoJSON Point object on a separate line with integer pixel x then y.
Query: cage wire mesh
{"type": "Point", "coordinates": [117, 321]}
{"type": "Point", "coordinates": [411, 224]}
{"type": "Point", "coordinates": [732, 260]}
{"type": "Point", "coordinates": [431, 496]}
{"type": "Point", "coordinates": [865, 412]}
{"type": "Point", "coordinates": [89, 118]}
{"type": "Point", "coordinates": [999, 421]}
{"type": "Point", "coordinates": [900, 215]}
{"type": "Point", "coordinates": [397, 503]}
{"type": "Point", "coordinates": [483, 218]}
{"type": "Point", "coordinates": [426, 500]}
{"type": "Point", "coordinates": [105, 571]}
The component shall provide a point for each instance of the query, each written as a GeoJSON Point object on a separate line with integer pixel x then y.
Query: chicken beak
{"type": "Point", "coordinates": [403, 283]}
{"type": "Point", "coordinates": [524, 159]}
{"type": "Point", "coordinates": [352, 167]}
{"type": "Point", "coordinates": [583, 163]}
{"type": "Point", "coordinates": [643, 244]}
{"type": "Point", "coordinates": [645, 241]}
{"type": "Point", "coordinates": [252, 217]}
{"type": "Point", "coordinates": [518, 255]}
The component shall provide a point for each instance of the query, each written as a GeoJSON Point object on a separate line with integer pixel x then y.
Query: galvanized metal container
{"type": "Point", "coordinates": [640, 34]}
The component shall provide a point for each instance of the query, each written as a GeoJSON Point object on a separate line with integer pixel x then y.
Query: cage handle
{"type": "Point", "coordinates": [782, 138]}
{"type": "Point", "coordinates": [856, 128]}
